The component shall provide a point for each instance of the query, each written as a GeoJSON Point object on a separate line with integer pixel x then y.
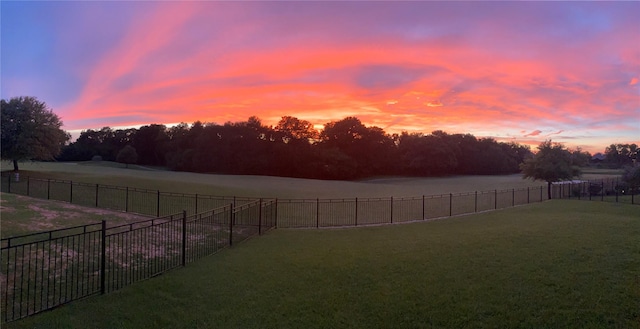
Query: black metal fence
{"type": "Point", "coordinates": [120, 198]}
{"type": "Point", "coordinates": [310, 213]}
{"type": "Point", "coordinates": [43, 270]}
{"type": "Point", "coordinates": [317, 213]}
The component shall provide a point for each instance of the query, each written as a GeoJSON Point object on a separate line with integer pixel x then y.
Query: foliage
{"type": "Point", "coordinates": [30, 131]}
{"type": "Point", "coordinates": [344, 149]}
{"type": "Point", "coordinates": [552, 163]}
{"type": "Point", "coordinates": [620, 155]}
{"type": "Point", "coordinates": [127, 155]}
{"type": "Point", "coordinates": [631, 176]}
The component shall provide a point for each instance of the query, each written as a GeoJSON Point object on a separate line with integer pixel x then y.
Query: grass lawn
{"type": "Point", "coordinates": [109, 173]}
{"type": "Point", "coordinates": [557, 264]}
{"type": "Point", "coordinates": [266, 186]}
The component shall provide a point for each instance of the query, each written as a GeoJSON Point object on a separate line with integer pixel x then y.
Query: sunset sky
{"type": "Point", "coordinates": [520, 71]}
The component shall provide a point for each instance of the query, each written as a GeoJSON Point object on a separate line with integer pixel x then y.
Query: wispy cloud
{"type": "Point", "coordinates": [404, 66]}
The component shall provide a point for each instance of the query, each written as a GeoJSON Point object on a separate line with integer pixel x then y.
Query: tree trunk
{"type": "Point", "coordinates": [549, 190]}
{"type": "Point", "coordinates": [15, 165]}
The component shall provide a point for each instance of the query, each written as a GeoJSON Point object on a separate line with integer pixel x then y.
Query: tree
{"type": "Point", "coordinates": [552, 163]}
{"type": "Point", "coordinates": [620, 155]}
{"type": "Point", "coordinates": [292, 128]}
{"type": "Point", "coordinates": [30, 131]}
{"type": "Point", "coordinates": [127, 155]}
{"type": "Point", "coordinates": [150, 143]}
{"type": "Point", "coordinates": [631, 176]}
{"type": "Point", "coordinates": [370, 147]}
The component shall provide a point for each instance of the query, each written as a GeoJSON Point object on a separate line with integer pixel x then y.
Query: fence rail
{"type": "Point", "coordinates": [317, 213]}
{"type": "Point", "coordinates": [120, 198]}
{"type": "Point", "coordinates": [43, 270]}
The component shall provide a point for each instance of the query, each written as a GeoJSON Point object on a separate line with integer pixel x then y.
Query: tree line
{"type": "Point", "coordinates": [344, 149]}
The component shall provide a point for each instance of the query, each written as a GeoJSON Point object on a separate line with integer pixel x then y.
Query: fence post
{"type": "Point", "coordinates": [260, 217]}
{"type": "Point", "coordinates": [196, 203]}
{"type": "Point", "coordinates": [423, 206]}
{"type": "Point", "coordinates": [580, 191]}
{"type": "Point", "coordinates": [231, 224]}
{"type": "Point", "coordinates": [158, 205]}
{"type": "Point", "coordinates": [540, 193]}
{"type": "Point", "coordinates": [70, 191]}
{"type": "Point", "coordinates": [475, 202]}
{"type": "Point", "coordinates": [184, 237]}
{"type": "Point", "coordinates": [391, 210]}
{"type": "Point", "coordinates": [495, 199]}
{"type": "Point", "coordinates": [97, 187]}
{"type": "Point", "coordinates": [356, 211]}
{"type": "Point", "coordinates": [450, 204]}
{"type": "Point", "coordinates": [317, 212]}
{"type": "Point", "coordinates": [513, 197]}
{"type": "Point", "coordinates": [528, 198]}
{"type": "Point", "coordinates": [126, 200]}
{"type": "Point", "coordinates": [275, 224]}
{"type": "Point", "coordinates": [28, 186]}
{"type": "Point", "coordinates": [9, 182]}
{"type": "Point", "coordinates": [48, 188]}
{"type": "Point", "coordinates": [103, 259]}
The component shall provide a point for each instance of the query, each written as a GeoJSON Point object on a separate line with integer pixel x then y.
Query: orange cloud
{"type": "Point", "coordinates": [215, 62]}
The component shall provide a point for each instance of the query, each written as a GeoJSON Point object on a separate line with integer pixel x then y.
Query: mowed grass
{"type": "Point", "coordinates": [108, 173]}
{"type": "Point", "coordinates": [557, 264]}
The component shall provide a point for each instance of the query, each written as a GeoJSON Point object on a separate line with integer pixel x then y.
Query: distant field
{"type": "Point", "coordinates": [265, 186]}
{"type": "Point", "coordinates": [557, 264]}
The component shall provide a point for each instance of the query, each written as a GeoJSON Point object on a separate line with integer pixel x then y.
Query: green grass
{"type": "Point", "coordinates": [559, 264]}
{"type": "Point", "coordinates": [109, 173]}
{"type": "Point", "coordinates": [267, 186]}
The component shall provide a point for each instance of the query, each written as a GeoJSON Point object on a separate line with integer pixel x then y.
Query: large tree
{"type": "Point", "coordinates": [552, 163]}
{"type": "Point", "coordinates": [30, 131]}
{"type": "Point", "coordinates": [127, 155]}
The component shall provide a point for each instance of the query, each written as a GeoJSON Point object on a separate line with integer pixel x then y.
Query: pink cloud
{"type": "Point", "coordinates": [217, 62]}
{"type": "Point", "coordinates": [533, 133]}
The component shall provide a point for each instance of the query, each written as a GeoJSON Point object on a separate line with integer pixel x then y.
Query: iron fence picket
{"type": "Point", "coordinates": [521, 196]}
{"type": "Point", "coordinates": [336, 212]}
{"type": "Point", "coordinates": [436, 206]}
{"type": "Point", "coordinates": [504, 199]}
{"type": "Point", "coordinates": [297, 213]}
{"type": "Point", "coordinates": [463, 203]}
{"type": "Point", "coordinates": [112, 197]}
{"type": "Point", "coordinates": [40, 274]}
{"type": "Point", "coordinates": [372, 211]}
{"type": "Point", "coordinates": [407, 209]}
{"type": "Point", "coordinates": [37, 188]}
{"type": "Point", "coordinates": [60, 190]}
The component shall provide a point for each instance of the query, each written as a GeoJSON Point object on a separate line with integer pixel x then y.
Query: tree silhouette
{"type": "Point", "coordinates": [552, 163]}
{"type": "Point", "coordinates": [127, 155]}
{"type": "Point", "coordinates": [344, 149]}
{"type": "Point", "coordinates": [29, 131]}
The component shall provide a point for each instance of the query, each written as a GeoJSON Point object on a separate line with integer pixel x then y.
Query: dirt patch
{"type": "Point", "coordinates": [23, 215]}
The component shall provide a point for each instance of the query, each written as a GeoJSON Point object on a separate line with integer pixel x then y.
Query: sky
{"type": "Point", "coordinates": [515, 71]}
